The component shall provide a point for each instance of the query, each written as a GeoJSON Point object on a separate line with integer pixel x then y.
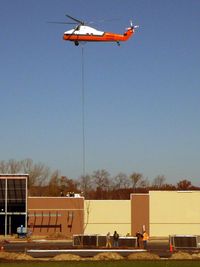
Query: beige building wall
{"type": "Point", "coordinates": [174, 212]}
{"type": "Point", "coordinates": [102, 216]}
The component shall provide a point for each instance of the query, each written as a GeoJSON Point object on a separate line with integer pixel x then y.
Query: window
{"type": "Point", "coordinates": [16, 195]}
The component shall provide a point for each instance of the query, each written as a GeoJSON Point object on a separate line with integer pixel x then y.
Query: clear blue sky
{"type": "Point", "coordinates": [142, 99]}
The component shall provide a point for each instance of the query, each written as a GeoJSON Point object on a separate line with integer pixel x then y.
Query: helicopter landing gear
{"type": "Point", "coordinates": [76, 43]}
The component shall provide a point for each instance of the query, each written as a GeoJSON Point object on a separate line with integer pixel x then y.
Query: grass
{"type": "Point", "coordinates": [163, 263]}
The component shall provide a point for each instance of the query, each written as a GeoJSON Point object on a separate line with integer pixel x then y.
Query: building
{"type": "Point", "coordinates": [160, 213]}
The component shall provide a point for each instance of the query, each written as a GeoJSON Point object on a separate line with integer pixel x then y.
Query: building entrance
{"type": "Point", "coordinates": [13, 222]}
{"type": "Point", "coordinates": [2, 223]}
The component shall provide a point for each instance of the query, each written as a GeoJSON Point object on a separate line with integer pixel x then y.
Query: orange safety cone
{"type": "Point", "coordinates": [170, 248]}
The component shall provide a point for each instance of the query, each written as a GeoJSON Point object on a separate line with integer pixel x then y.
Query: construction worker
{"type": "Point", "coordinates": [115, 239]}
{"type": "Point", "coordinates": [139, 239]}
{"type": "Point", "coordinates": [108, 240]}
{"type": "Point", "coordinates": [145, 239]}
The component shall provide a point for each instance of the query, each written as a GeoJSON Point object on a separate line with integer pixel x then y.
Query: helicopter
{"type": "Point", "coordinates": [84, 33]}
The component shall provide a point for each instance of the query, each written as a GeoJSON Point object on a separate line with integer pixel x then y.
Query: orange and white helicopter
{"type": "Point", "coordinates": [84, 33]}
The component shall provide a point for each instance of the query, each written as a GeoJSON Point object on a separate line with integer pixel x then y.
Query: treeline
{"type": "Point", "coordinates": [98, 185]}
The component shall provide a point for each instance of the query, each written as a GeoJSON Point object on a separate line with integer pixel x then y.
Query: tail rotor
{"type": "Point", "coordinates": [133, 26]}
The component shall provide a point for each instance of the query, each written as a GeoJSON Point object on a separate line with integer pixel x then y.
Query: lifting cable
{"type": "Point", "coordinates": [83, 110]}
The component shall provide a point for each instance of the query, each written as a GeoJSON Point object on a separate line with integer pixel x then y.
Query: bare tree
{"type": "Point", "coordinates": [121, 180]}
{"type": "Point", "coordinates": [53, 186]}
{"type": "Point", "coordinates": [67, 184]}
{"type": "Point", "coordinates": [101, 179]}
{"type": "Point", "coordinates": [12, 166]}
{"type": "Point", "coordinates": [38, 173]}
{"type": "Point", "coordinates": [159, 181]}
{"type": "Point", "coordinates": [87, 211]}
{"type": "Point", "coordinates": [85, 184]}
{"type": "Point", "coordinates": [136, 178]}
{"type": "Point", "coordinates": [144, 183]}
{"type": "Point", "coordinates": [4, 167]}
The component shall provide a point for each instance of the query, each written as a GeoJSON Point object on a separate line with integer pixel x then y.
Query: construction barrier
{"type": "Point", "coordinates": [184, 242]}
{"type": "Point", "coordinates": [85, 240]}
{"type": "Point", "coordinates": [100, 241]}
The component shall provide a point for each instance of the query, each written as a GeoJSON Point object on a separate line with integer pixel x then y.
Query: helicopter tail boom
{"type": "Point", "coordinates": [128, 33]}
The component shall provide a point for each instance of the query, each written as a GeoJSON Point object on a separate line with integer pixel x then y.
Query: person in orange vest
{"type": "Point", "coordinates": [145, 239]}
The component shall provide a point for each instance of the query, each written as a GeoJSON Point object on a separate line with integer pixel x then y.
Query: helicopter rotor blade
{"type": "Point", "coordinates": [73, 32]}
{"type": "Point", "coordinates": [77, 20]}
{"type": "Point", "coordinates": [80, 22]}
{"type": "Point", "coordinates": [100, 21]}
{"type": "Point", "coordinates": [60, 22]}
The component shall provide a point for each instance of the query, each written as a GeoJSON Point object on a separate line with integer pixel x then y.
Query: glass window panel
{"type": "Point", "coordinates": [16, 195]}
{"type": "Point", "coordinates": [2, 195]}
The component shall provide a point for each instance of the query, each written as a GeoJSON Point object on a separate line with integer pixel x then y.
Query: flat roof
{"type": "Point", "coordinates": [13, 175]}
